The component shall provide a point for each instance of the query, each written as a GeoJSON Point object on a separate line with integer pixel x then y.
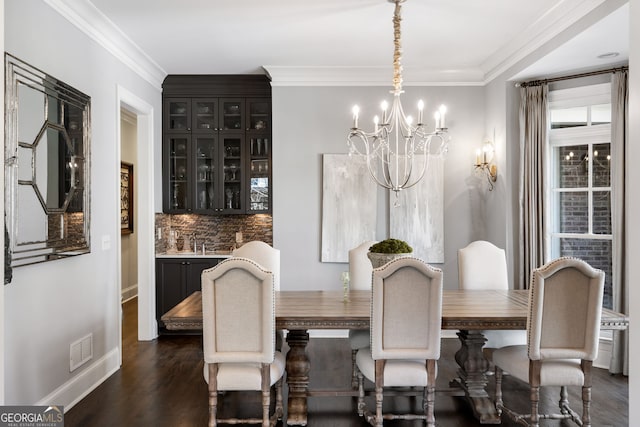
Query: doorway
{"type": "Point", "coordinates": [143, 201]}
{"type": "Point", "coordinates": [128, 220]}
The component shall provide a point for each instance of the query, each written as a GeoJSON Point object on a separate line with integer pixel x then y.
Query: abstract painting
{"type": "Point", "coordinates": [419, 218]}
{"type": "Point", "coordinates": [349, 200]}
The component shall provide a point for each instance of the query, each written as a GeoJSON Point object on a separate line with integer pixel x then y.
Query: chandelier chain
{"type": "Point", "coordinates": [397, 48]}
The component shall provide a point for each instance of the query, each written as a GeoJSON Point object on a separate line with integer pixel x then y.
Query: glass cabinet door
{"type": "Point", "coordinates": [232, 173]}
{"type": "Point", "coordinates": [177, 115]}
{"type": "Point", "coordinates": [259, 197]}
{"type": "Point", "coordinates": [204, 112]}
{"type": "Point", "coordinates": [232, 115]}
{"type": "Point", "coordinates": [205, 160]}
{"type": "Point", "coordinates": [258, 114]}
{"type": "Point", "coordinates": [178, 163]}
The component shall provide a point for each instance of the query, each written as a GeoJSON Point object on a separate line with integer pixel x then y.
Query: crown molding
{"type": "Point", "coordinates": [368, 76]}
{"type": "Point", "coordinates": [556, 20]}
{"type": "Point", "coordinates": [91, 21]}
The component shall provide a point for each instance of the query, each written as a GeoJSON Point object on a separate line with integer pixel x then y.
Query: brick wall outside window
{"type": "Point", "coordinates": [574, 210]}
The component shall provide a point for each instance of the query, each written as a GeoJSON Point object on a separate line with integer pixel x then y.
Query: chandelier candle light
{"type": "Point", "coordinates": [397, 151]}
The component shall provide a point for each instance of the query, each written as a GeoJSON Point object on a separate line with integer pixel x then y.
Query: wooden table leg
{"type": "Point", "coordinates": [472, 378]}
{"type": "Point", "coordinates": [298, 367]}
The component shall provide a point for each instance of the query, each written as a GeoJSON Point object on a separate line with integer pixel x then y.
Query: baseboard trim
{"type": "Point", "coordinates": [604, 354]}
{"type": "Point", "coordinates": [328, 333]}
{"type": "Point", "coordinates": [129, 293]}
{"type": "Point", "coordinates": [78, 387]}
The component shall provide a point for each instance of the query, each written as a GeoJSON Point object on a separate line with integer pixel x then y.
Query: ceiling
{"type": "Point", "coordinates": [448, 42]}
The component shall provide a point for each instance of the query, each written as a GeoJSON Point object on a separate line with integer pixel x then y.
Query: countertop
{"type": "Point", "coordinates": [207, 254]}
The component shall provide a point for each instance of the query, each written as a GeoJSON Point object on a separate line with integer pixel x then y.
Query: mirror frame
{"type": "Point", "coordinates": [17, 74]}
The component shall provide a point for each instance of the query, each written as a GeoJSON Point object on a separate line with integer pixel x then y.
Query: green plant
{"type": "Point", "coordinates": [391, 246]}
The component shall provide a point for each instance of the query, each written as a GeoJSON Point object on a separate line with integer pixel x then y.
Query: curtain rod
{"type": "Point", "coordinates": [573, 76]}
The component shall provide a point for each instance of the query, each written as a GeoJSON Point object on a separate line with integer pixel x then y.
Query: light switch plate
{"type": "Point", "coordinates": [106, 242]}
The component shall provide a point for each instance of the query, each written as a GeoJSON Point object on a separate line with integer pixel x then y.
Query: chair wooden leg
{"type": "Point", "coordinates": [430, 393]}
{"type": "Point", "coordinates": [379, 389]}
{"type": "Point", "coordinates": [213, 394]}
{"type": "Point", "coordinates": [499, 402]}
{"type": "Point", "coordinates": [266, 395]}
{"type": "Point", "coordinates": [279, 403]}
{"type": "Point", "coordinates": [586, 393]}
{"type": "Point", "coordinates": [563, 404]}
{"type": "Point", "coordinates": [360, 394]}
{"type": "Point", "coordinates": [534, 382]}
{"type": "Point", "coordinates": [354, 370]}
{"type": "Point", "coordinates": [535, 398]}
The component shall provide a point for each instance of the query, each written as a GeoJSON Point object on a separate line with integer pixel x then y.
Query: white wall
{"type": "Point", "coordinates": [495, 204]}
{"type": "Point", "coordinates": [310, 121]}
{"type": "Point", "coordinates": [633, 233]}
{"type": "Point", "coordinates": [2, 323]}
{"type": "Point", "coordinates": [52, 304]}
{"type": "Point", "coordinates": [129, 242]}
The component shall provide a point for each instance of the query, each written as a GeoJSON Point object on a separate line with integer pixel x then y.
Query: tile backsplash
{"type": "Point", "coordinates": [218, 233]}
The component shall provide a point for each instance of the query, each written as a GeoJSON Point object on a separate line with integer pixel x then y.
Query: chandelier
{"type": "Point", "coordinates": [397, 152]}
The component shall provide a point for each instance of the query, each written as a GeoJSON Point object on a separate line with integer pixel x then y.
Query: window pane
{"type": "Point", "coordinates": [568, 117]}
{"type": "Point", "coordinates": [602, 212]}
{"type": "Point", "coordinates": [601, 165]}
{"type": "Point", "coordinates": [600, 114]}
{"type": "Point", "coordinates": [572, 167]}
{"type": "Point", "coordinates": [595, 252]}
{"type": "Point", "coordinates": [574, 212]}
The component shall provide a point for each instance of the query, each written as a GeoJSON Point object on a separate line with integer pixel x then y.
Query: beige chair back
{"type": "Point", "coordinates": [265, 255]}
{"type": "Point", "coordinates": [482, 265]}
{"type": "Point", "coordinates": [238, 313]}
{"type": "Point", "coordinates": [406, 310]}
{"type": "Point", "coordinates": [565, 305]}
{"type": "Point", "coordinates": [360, 267]}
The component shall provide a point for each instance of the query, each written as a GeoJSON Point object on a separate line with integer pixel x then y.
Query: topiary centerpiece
{"type": "Point", "coordinates": [389, 249]}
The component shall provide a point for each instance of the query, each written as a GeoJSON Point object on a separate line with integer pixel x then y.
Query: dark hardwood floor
{"type": "Point", "coordinates": [161, 384]}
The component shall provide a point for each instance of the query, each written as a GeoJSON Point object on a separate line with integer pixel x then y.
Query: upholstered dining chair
{"type": "Point", "coordinates": [360, 270]}
{"type": "Point", "coordinates": [482, 265]}
{"type": "Point", "coordinates": [269, 258]}
{"type": "Point", "coordinates": [238, 311]}
{"type": "Point", "coordinates": [406, 312]}
{"type": "Point", "coordinates": [265, 255]}
{"type": "Point", "coordinates": [563, 326]}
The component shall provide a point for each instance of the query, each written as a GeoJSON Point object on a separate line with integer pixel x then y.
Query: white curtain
{"type": "Point", "coordinates": [533, 155]}
{"type": "Point", "coordinates": [619, 142]}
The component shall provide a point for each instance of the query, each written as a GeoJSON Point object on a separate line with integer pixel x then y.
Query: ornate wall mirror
{"type": "Point", "coordinates": [46, 166]}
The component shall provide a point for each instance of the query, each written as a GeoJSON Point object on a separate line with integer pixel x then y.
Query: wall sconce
{"type": "Point", "coordinates": [484, 163]}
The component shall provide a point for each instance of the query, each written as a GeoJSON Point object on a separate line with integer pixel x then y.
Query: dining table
{"type": "Point", "coordinates": [469, 312]}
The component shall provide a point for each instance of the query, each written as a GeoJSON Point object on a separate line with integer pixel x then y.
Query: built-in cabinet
{"type": "Point", "coordinates": [217, 149]}
{"type": "Point", "coordinates": [176, 279]}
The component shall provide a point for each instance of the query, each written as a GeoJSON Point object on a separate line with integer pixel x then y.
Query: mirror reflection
{"type": "Point", "coordinates": [47, 139]}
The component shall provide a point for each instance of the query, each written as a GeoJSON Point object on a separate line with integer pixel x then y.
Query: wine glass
{"type": "Point", "coordinates": [233, 168]}
{"type": "Point", "coordinates": [229, 194]}
{"type": "Point", "coordinates": [204, 171]}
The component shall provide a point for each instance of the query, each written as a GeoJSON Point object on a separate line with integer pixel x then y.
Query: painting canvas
{"type": "Point", "coordinates": [349, 200]}
{"type": "Point", "coordinates": [126, 198]}
{"type": "Point", "coordinates": [419, 218]}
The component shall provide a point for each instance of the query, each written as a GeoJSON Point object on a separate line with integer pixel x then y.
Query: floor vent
{"type": "Point", "coordinates": [81, 352]}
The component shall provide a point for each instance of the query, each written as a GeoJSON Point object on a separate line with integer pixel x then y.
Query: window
{"type": "Point", "coordinates": [579, 214]}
